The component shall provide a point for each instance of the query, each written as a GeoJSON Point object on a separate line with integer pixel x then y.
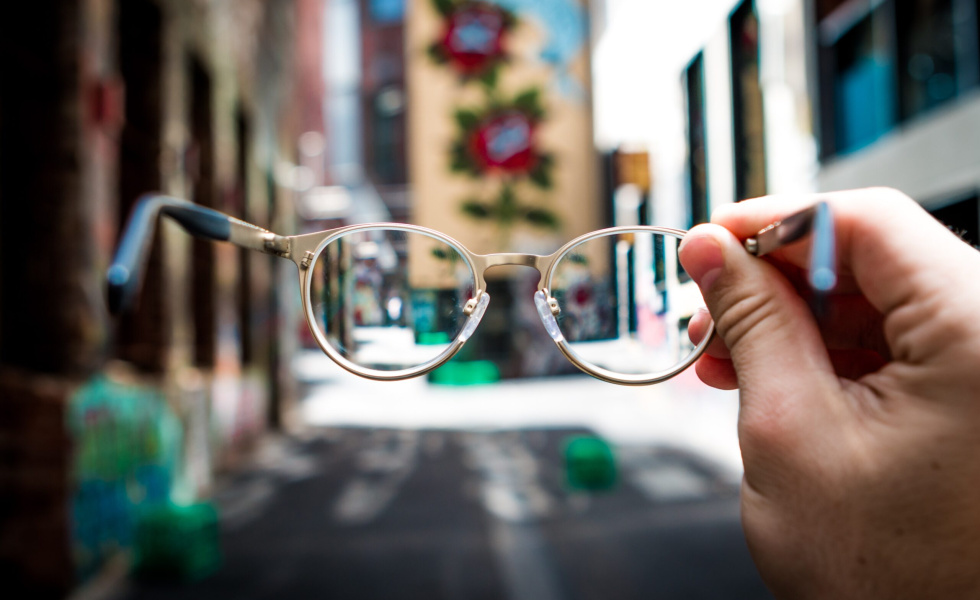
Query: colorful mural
{"type": "Point", "coordinates": [472, 38]}
{"type": "Point", "coordinates": [498, 140]}
{"type": "Point", "coordinates": [127, 452]}
{"type": "Point", "coordinates": [501, 153]}
{"type": "Point", "coordinates": [501, 87]}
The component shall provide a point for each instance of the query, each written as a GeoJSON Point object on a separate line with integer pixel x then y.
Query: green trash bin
{"type": "Point", "coordinates": [590, 464]}
{"type": "Point", "coordinates": [469, 372]}
{"type": "Point", "coordinates": [177, 542]}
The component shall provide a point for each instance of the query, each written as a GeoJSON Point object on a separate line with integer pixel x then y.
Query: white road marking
{"type": "Point", "coordinates": [384, 464]}
{"type": "Point", "coordinates": [511, 492]}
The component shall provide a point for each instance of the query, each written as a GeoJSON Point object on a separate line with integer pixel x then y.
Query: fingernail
{"type": "Point", "coordinates": [702, 259]}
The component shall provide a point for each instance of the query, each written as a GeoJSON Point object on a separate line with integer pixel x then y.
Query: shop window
{"type": "Point", "coordinates": [697, 144]}
{"type": "Point", "coordinates": [926, 54]}
{"type": "Point", "coordinates": [386, 153]}
{"type": "Point", "coordinates": [888, 62]}
{"type": "Point", "coordinates": [747, 125]}
{"type": "Point", "coordinates": [862, 77]}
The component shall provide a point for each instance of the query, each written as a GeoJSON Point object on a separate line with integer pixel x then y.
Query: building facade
{"type": "Point", "coordinates": [104, 100]}
{"type": "Point", "coordinates": [795, 96]}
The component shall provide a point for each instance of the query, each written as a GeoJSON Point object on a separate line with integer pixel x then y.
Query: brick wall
{"type": "Point", "coordinates": [34, 485]}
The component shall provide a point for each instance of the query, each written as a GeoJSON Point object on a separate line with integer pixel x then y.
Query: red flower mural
{"type": "Point", "coordinates": [496, 140]}
{"type": "Point", "coordinates": [500, 140]}
{"type": "Point", "coordinates": [505, 142]}
{"type": "Point", "coordinates": [473, 37]}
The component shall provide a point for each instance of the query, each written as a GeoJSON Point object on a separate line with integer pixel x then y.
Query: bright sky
{"type": "Point", "coordinates": [638, 60]}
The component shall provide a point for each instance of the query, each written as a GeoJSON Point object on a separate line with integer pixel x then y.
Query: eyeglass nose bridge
{"type": "Point", "coordinates": [483, 262]}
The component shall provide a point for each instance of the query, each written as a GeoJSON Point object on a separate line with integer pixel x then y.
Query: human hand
{"type": "Point", "coordinates": [860, 433]}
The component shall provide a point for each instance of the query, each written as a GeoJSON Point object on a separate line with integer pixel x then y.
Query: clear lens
{"type": "Point", "coordinates": [625, 302]}
{"type": "Point", "coordinates": [390, 299]}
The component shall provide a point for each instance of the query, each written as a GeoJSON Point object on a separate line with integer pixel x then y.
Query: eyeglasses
{"type": "Point", "coordinates": [391, 301]}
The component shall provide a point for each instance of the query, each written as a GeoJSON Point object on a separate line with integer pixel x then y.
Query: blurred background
{"type": "Point", "coordinates": [201, 446]}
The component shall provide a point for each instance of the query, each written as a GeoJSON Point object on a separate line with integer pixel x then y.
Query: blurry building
{"type": "Point", "coordinates": [101, 101]}
{"type": "Point", "coordinates": [792, 96]}
{"type": "Point", "coordinates": [364, 159]}
{"type": "Point", "coordinates": [897, 101]}
{"type": "Point", "coordinates": [383, 102]}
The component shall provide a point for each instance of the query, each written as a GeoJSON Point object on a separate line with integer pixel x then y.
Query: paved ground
{"type": "Point", "coordinates": [681, 412]}
{"type": "Point", "coordinates": [409, 490]}
{"type": "Point", "coordinates": [383, 513]}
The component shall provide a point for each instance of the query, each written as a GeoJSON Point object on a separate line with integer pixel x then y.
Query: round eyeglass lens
{"type": "Point", "coordinates": [626, 302]}
{"type": "Point", "coordinates": [389, 299]}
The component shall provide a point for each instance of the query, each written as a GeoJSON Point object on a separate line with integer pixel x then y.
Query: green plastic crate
{"type": "Point", "coordinates": [590, 464]}
{"type": "Point", "coordinates": [470, 372]}
{"type": "Point", "coordinates": [177, 542]}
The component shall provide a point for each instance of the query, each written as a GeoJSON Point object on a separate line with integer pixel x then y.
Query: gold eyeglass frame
{"type": "Point", "coordinates": [124, 275]}
{"type": "Point", "coordinates": [306, 248]}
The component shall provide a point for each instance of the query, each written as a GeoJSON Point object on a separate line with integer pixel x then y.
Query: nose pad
{"type": "Point", "coordinates": [541, 302]}
{"type": "Point", "coordinates": [474, 318]}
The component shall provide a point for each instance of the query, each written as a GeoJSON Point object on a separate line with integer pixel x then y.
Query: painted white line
{"type": "Point", "coordinates": [512, 494]}
{"type": "Point", "coordinates": [384, 464]}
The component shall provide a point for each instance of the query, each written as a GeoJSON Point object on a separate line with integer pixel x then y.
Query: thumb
{"type": "Point", "coordinates": [775, 344]}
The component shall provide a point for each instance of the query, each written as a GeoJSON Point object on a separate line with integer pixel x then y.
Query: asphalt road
{"type": "Point", "coordinates": [367, 513]}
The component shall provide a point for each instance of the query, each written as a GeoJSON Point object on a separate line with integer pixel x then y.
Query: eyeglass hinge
{"type": "Point", "coordinates": [276, 244]}
{"type": "Point", "coordinates": [307, 260]}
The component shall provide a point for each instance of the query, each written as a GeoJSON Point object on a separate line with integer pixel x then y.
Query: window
{"type": "Point", "coordinates": [143, 335]}
{"type": "Point", "coordinates": [883, 63]}
{"type": "Point", "coordinates": [697, 144]}
{"type": "Point", "coordinates": [748, 118]}
{"type": "Point", "coordinates": [862, 77]}
{"type": "Point", "coordinates": [386, 153]}
{"type": "Point", "coordinates": [926, 54]}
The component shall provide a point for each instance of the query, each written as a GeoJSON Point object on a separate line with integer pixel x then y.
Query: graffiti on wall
{"type": "Point", "coordinates": [502, 88]}
{"type": "Point", "coordinates": [127, 444]}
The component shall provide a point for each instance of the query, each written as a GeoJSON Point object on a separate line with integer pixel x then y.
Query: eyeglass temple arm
{"type": "Point", "coordinates": [817, 220]}
{"type": "Point", "coordinates": [125, 274]}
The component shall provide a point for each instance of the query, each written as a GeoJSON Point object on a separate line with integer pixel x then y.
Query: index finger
{"type": "Point", "coordinates": [898, 254]}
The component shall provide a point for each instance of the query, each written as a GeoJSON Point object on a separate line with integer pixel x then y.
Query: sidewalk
{"type": "Point", "coordinates": [681, 412]}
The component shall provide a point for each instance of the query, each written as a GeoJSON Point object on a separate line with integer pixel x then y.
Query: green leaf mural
{"type": "Point", "coordinates": [497, 140]}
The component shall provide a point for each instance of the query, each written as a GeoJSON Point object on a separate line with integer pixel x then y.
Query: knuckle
{"type": "Point", "coordinates": [744, 314]}
{"type": "Point", "coordinates": [891, 199]}
{"type": "Point", "coordinates": [887, 193]}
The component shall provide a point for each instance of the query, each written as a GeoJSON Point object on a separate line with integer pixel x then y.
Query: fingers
{"type": "Point", "coordinates": [900, 259]}
{"type": "Point", "coordinates": [745, 219]}
{"type": "Point", "coordinates": [765, 324]}
{"type": "Point", "coordinates": [914, 272]}
{"type": "Point", "coordinates": [853, 337]}
{"type": "Point", "coordinates": [716, 372]}
{"type": "Point", "coordinates": [855, 364]}
{"type": "Point", "coordinates": [714, 367]}
{"type": "Point", "coordinates": [849, 323]}
{"type": "Point", "coordinates": [697, 329]}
